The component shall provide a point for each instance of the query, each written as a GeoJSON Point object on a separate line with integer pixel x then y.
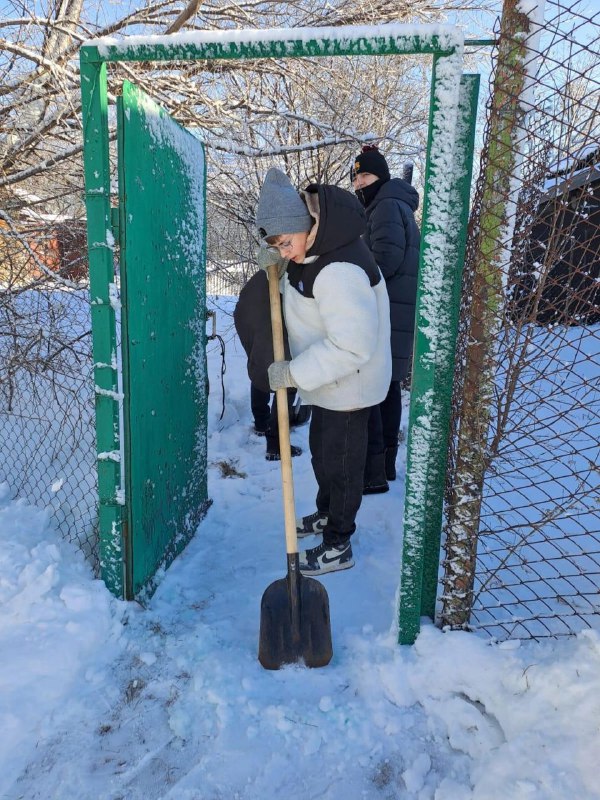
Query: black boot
{"type": "Point", "coordinates": [390, 463]}
{"type": "Point", "coordinates": [374, 481]}
{"type": "Point", "coordinates": [273, 453]}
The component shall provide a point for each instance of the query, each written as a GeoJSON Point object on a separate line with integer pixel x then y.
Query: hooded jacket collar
{"type": "Point", "coordinates": [397, 189]}
{"type": "Point", "coordinates": [340, 218]}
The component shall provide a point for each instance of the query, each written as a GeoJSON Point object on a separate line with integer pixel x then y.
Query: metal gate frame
{"type": "Point", "coordinates": [445, 213]}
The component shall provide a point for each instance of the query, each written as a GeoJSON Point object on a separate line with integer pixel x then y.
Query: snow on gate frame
{"type": "Point", "coordinates": [450, 143]}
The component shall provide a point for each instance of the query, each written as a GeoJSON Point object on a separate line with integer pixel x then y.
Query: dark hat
{"type": "Point", "coordinates": [370, 160]}
{"type": "Point", "coordinates": [280, 207]}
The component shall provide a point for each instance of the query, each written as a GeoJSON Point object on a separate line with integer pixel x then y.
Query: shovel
{"type": "Point", "coordinates": [294, 611]}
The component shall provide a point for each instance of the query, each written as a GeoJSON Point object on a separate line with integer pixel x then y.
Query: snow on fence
{"type": "Point", "coordinates": [47, 437]}
{"type": "Point", "coordinates": [522, 521]}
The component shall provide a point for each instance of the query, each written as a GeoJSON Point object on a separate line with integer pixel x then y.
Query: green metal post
{"type": "Point", "coordinates": [438, 217]}
{"type": "Point", "coordinates": [101, 256]}
{"type": "Point", "coordinates": [445, 356]}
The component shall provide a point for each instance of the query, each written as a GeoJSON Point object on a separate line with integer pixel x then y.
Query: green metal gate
{"type": "Point", "coordinates": [151, 381]}
{"type": "Point", "coordinates": [161, 234]}
{"type": "Point", "coordinates": [445, 212]}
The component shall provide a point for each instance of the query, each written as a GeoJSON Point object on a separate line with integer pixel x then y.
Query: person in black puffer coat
{"type": "Point", "coordinates": [252, 321]}
{"type": "Point", "coordinates": [394, 239]}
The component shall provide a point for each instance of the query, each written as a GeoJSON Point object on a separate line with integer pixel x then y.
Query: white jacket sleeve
{"type": "Point", "coordinates": [347, 307]}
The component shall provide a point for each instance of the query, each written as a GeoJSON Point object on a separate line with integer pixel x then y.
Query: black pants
{"type": "Point", "coordinates": [338, 446]}
{"type": "Point", "coordinates": [384, 421]}
{"type": "Point", "coordinates": [264, 412]}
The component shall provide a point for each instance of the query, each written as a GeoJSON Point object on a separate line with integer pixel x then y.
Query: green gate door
{"type": "Point", "coordinates": [163, 312]}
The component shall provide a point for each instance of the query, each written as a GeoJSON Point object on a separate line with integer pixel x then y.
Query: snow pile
{"type": "Point", "coordinates": [104, 700]}
{"type": "Point", "coordinates": [59, 636]}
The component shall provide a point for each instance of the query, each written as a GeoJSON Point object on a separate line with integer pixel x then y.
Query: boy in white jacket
{"type": "Point", "coordinates": [336, 310]}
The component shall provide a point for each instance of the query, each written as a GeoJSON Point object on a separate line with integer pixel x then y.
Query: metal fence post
{"type": "Point", "coordinates": [452, 280]}
{"type": "Point", "coordinates": [101, 256]}
{"type": "Point", "coordinates": [440, 215]}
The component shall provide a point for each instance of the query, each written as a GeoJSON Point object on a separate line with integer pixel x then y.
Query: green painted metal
{"type": "Point", "coordinates": [444, 219]}
{"type": "Point", "coordinates": [293, 43]}
{"type": "Point", "coordinates": [101, 266]}
{"type": "Point", "coordinates": [162, 263]}
{"type": "Point", "coordinates": [432, 332]}
{"type": "Point", "coordinates": [445, 356]}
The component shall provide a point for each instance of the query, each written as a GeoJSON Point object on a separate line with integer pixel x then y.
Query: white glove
{"type": "Point", "coordinates": [280, 376]}
{"type": "Point", "coordinates": [267, 255]}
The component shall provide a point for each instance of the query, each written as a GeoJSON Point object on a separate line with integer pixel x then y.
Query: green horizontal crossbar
{"type": "Point", "coordinates": [278, 43]}
{"type": "Point", "coordinates": [481, 42]}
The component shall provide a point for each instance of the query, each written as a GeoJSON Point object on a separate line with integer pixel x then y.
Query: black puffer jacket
{"type": "Point", "coordinates": [252, 319]}
{"type": "Point", "coordinates": [394, 239]}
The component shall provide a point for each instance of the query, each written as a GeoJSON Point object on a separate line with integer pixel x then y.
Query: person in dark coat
{"type": "Point", "coordinates": [252, 319]}
{"type": "Point", "coordinates": [393, 237]}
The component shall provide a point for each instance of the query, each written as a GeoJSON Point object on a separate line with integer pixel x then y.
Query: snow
{"type": "Point", "coordinates": [448, 36]}
{"type": "Point", "coordinates": [568, 161]}
{"type": "Point", "coordinates": [106, 700]}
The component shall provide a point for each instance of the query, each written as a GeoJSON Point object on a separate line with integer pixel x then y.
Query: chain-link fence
{"type": "Point", "coordinates": [231, 244]}
{"type": "Point", "coordinates": [47, 435]}
{"type": "Point", "coordinates": [523, 492]}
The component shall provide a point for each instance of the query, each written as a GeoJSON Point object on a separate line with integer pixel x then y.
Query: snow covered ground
{"type": "Point", "coordinates": [105, 700]}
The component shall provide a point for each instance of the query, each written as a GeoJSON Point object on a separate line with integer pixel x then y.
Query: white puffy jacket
{"type": "Point", "coordinates": [339, 338]}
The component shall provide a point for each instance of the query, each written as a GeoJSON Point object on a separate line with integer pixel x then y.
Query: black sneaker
{"type": "Point", "coordinates": [326, 558]}
{"type": "Point", "coordinates": [275, 455]}
{"type": "Point", "coordinates": [308, 526]}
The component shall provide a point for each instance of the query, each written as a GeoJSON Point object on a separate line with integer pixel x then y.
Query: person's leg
{"type": "Point", "coordinates": [272, 433]}
{"type": "Point", "coordinates": [260, 406]}
{"type": "Point", "coordinates": [339, 455]}
{"type": "Point", "coordinates": [315, 441]}
{"type": "Point", "coordinates": [344, 443]}
{"type": "Point", "coordinates": [374, 481]}
{"type": "Point", "coordinates": [291, 398]}
{"type": "Point", "coordinates": [375, 429]}
{"type": "Point", "coordinates": [273, 429]}
{"type": "Point", "coordinates": [391, 416]}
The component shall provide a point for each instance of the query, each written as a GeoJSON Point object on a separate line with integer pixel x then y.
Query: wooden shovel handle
{"type": "Point", "coordinates": [283, 420]}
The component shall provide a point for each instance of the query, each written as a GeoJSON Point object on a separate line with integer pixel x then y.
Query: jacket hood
{"type": "Point", "coordinates": [398, 189]}
{"type": "Point", "coordinates": [340, 218]}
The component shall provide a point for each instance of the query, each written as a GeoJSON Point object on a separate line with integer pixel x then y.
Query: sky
{"type": "Point", "coordinates": [102, 699]}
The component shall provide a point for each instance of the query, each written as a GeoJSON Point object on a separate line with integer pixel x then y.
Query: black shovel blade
{"type": "Point", "coordinates": [294, 622]}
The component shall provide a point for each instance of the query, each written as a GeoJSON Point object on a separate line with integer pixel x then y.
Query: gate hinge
{"type": "Point", "coordinates": [114, 223]}
{"type": "Point", "coordinates": [212, 315]}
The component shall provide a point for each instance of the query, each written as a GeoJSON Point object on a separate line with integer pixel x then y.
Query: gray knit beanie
{"type": "Point", "coordinates": [280, 207]}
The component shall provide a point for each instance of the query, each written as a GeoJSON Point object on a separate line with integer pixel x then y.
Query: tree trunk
{"type": "Point", "coordinates": [490, 255]}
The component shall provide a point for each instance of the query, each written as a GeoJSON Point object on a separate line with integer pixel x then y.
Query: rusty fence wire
{"type": "Point", "coordinates": [47, 436]}
{"type": "Point", "coordinates": [522, 519]}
